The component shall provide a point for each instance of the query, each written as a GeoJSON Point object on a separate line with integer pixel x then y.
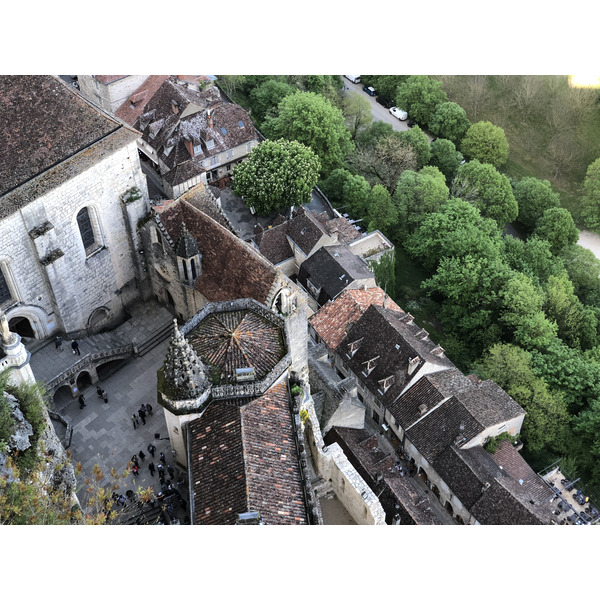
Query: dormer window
{"type": "Point", "coordinates": [197, 150]}
{"type": "Point", "coordinates": [386, 384]}
{"type": "Point", "coordinates": [241, 124]}
{"type": "Point", "coordinates": [370, 365]}
{"type": "Point", "coordinates": [354, 346]}
{"type": "Point", "coordinates": [210, 144]}
{"type": "Point", "coordinates": [223, 131]}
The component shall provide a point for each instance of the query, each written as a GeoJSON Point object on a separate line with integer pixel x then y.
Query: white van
{"type": "Point", "coordinates": [353, 78]}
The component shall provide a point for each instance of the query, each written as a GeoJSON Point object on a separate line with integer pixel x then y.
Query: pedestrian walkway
{"type": "Point", "coordinates": [148, 322]}
{"type": "Point", "coordinates": [103, 433]}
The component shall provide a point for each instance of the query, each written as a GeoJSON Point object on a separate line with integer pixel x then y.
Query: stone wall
{"type": "Point", "coordinates": [109, 97]}
{"type": "Point", "coordinates": [57, 284]}
{"type": "Point", "coordinates": [333, 466]}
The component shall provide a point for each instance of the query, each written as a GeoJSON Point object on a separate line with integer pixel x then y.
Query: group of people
{"type": "Point", "coordinates": [144, 410]}
{"type": "Point", "coordinates": [74, 345]}
{"type": "Point", "coordinates": [160, 468]}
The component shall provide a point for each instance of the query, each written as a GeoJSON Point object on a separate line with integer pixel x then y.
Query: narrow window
{"type": "Point", "coordinates": [4, 291]}
{"type": "Point", "coordinates": [85, 228]}
{"type": "Point", "coordinates": [185, 272]}
{"type": "Point", "coordinates": [193, 269]}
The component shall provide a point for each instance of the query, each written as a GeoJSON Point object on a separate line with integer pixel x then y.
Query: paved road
{"type": "Point", "coordinates": [379, 112]}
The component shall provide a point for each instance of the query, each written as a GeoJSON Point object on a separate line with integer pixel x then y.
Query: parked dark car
{"type": "Point", "coordinates": [370, 90]}
{"type": "Point", "coordinates": [384, 102]}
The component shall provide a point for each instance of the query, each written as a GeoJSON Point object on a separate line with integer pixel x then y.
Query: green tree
{"type": "Point", "coordinates": [486, 143]}
{"type": "Point", "coordinates": [416, 139]}
{"type": "Point", "coordinates": [277, 174]}
{"type": "Point", "coordinates": [265, 98]}
{"type": "Point", "coordinates": [333, 186]}
{"type": "Point", "coordinates": [230, 83]}
{"type": "Point", "coordinates": [384, 163]}
{"type": "Point", "coordinates": [386, 86]}
{"type": "Point", "coordinates": [584, 272]}
{"type": "Point", "coordinates": [534, 196]}
{"type": "Point", "coordinates": [590, 200]}
{"type": "Point", "coordinates": [547, 420]}
{"type": "Point", "coordinates": [456, 230]}
{"type": "Point", "coordinates": [486, 188]}
{"type": "Point", "coordinates": [449, 120]}
{"type": "Point", "coordinates": [445, 157]}
{"type": "Point", "coordinates": [533, 257]}
{"type": "Point", "coordinates": [357, 111]}
{"type": "Point", "coordinates": [381, 211]}
{"type": "Point", "coordinates": [372, 135]}
{"type": "Point", "coordinates": [418, 195]}
{"type": "Point", "coordinates": [356, 196]}
{"type": "Point", "coordinates": [535, 331]}
{"type": "Point", "coordinates": [420, 95]}
{"type": "Point", "coordinates": [556, 225]}
{"type": "Point", "coordinates": [313, 121]}
{"type": "Point", "coordinates": [577, 326]}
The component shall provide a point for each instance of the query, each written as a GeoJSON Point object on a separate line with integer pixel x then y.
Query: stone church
{"type": "Point", "coordinates": [71, 195]}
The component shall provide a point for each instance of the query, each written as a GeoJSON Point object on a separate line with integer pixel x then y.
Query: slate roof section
{"type": "Point", "coordinates": [236, 340]}
{"type": "Point", "coordinates": [441, 428]}
{"type": "Point", "coordinates": [415, 403]}
{"type": "Point", "coordinates": [331, 269]}
{"type": "Point", "coordinates": [485, 400]}
{"type": "Point", "coordinates": [44, 123]}
{"type": "Point", "coordinates": [334, 319]}
{"type": "Point", "coordinates": [135, 105]}
{"type": "Point", "coordinates": [273, 243]}
{"type": "Point", "coordinates": [244, 459]}
{"type": "Point", "coordinates": [305, 230]}
{"type": "Point", "coordinates": [231, 268]}
{"type": "Point", "coordinates": [392, 338]}
{"type": "Point", "coordinates": [186, 245]}
{"type": "Point", "coordinates": [346, 231]}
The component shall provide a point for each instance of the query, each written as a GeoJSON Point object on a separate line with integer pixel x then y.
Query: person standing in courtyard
{"type": "Point", "coordinates": [134, 460]}
{"type": "Point", "coordinates": [141, 455]}
{"type": "Point", "coordinates": [81, 401]}
{"type": "Point", "coordinates": [134, 420]}
{"type": "Point", "coordinates": [75, 347]}
{"type": "Point", "coordinates": [151, 449]}
{"type": "Point", "coordinates": [171, 472]}
{"type": "Point", "coordinates": [142, 414]}
{"type": "Point", "coordinates": [152, 468]}
{"type": "Point", "coordinates": [58, 343]}
{"type": "Point", "coordinates": [99, 391]}
{"type": "Point", "coordinates": [163, 459]}
{"type": "Point", "coordinates": [148, 408]}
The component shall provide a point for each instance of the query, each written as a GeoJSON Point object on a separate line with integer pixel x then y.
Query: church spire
{"type": "Point", "coordinates": [185, 374]}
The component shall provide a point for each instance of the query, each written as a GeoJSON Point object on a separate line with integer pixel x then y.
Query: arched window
{"type": "Point", "coordinates": [85, 229]}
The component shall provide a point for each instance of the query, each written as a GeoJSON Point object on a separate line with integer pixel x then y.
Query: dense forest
{"type": "Point", "coordinates": [485, 221]}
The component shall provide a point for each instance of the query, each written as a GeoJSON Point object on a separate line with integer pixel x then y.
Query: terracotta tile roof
{"type": "Point", "coordinates": [139, 99]}
{"type": "Point", "coordinates": [272, 471]}
{"type": "Point", "coordinates": [331, 269]}
{"type": "Point", "coordinates": [167, 132]}
{"type": "Point", "coordinates": [238, 339]}
{"type": "Point", "coordinates": [334, 318]}
{"type": "Point", "coordinates": [231, 268]}
{"type": "Point", "coordinates": [201, 197]}
{"type": "Point", "coordinates": [345, 230]}
{"type": "Point", "coordinates": [244, 459]}
{"type": "Point", "coordinates": [218, 473]}
{"type": "Point", "coordinates": [42, 124]}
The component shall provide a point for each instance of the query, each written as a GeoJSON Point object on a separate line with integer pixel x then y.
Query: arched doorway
{"type": "Point", "coordinates": [98, 319]}
{"type": "Point", "coordinates": [448, 507]}
{"type": "Point", "coordinates": [62, 396]}
{"type": "Point", "coordinates": [435, 490]}
{"type": "Point", "coordinates": [84, 381]}
{"type": "Point", "coordinates": [23, 327]}
{"type": "Point", "coordinates": [164, 297]}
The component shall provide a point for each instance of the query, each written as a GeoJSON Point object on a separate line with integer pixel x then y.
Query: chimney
{"type": "Point", "coordinates": [413, 363]}
{"type": "Point", "coordinates": [209, 116]}
{"type": "Point", "coordinates": [385, 300]}
{"type": "Point", "coordinates": [175, 107]}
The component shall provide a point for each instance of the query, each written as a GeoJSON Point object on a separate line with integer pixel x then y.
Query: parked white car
{"type": "Point", "coordinates": [398, 113]}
